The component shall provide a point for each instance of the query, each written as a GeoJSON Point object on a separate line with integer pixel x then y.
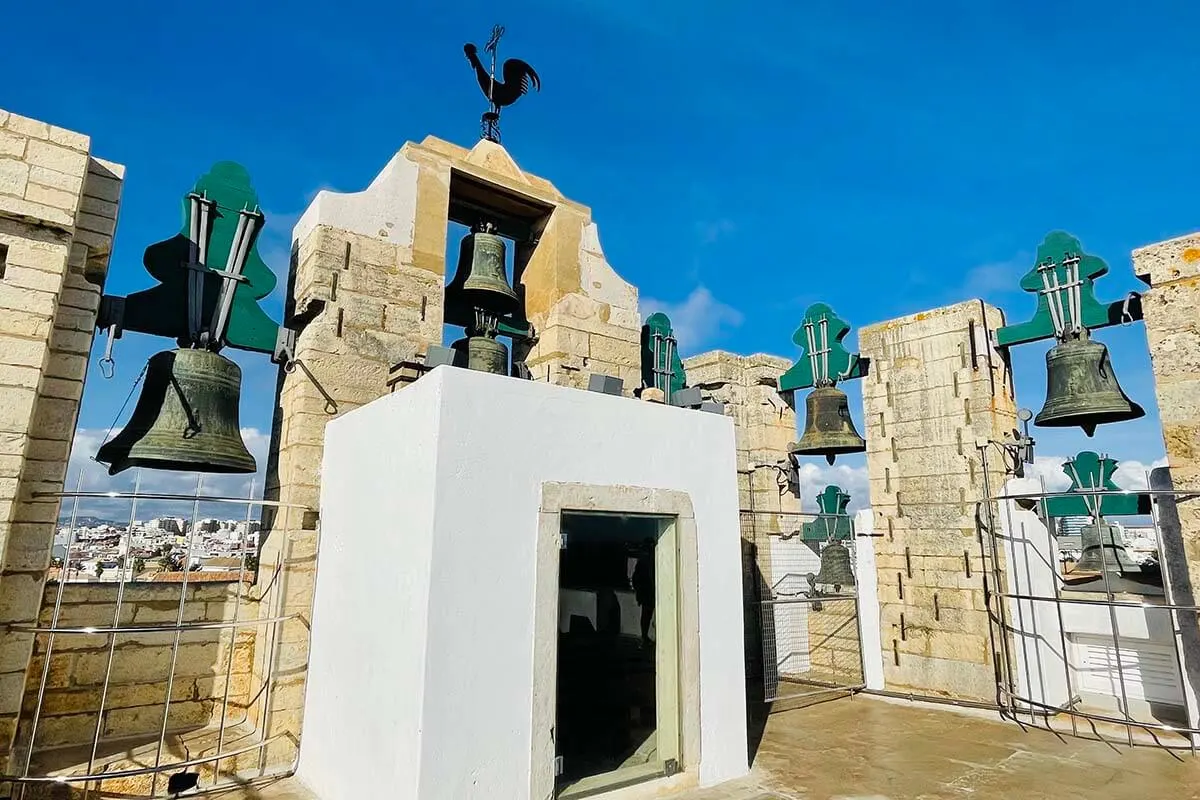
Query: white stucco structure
{"type": "Point", "coordinates": [429, 668]}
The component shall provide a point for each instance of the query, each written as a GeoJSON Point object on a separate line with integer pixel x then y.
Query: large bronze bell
{"type": "Point", "coordinates": [1103, 553]}
{"type": "Point", "coordinates": [480, 280]}
{"type": "Point", "coordinates": [185, 419]}
{"type": "Point", "coordinates": [1081, 388]}
{"type": "Point", "coordinates": [828, 428]}
{"type": "Point", "coordinates": [835, 566]}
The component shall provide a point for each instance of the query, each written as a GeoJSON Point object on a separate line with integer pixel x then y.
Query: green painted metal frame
{"type": "Point", "coordinates": [162, 310]}
{"type": "Point", "coordinates": [812, 368]}
{"type": "Point", "coordinates": [658, 324]}
{"type": "Point", "coordinates": [1090, 471]}
{"type": "Point", "coordinates": [1052, 254]}
{"type": "Point", "coordinates": [833, 523]}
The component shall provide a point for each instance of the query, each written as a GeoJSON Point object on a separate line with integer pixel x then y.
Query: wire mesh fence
{"type": "Point", "coordinates": [802, 634]}
{"type": "Point", "coordinates": [151, 673]}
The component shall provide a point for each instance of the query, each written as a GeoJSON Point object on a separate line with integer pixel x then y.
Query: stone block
{"type": "Point", "coordinates": [56, 157]}
{"type": "Point", "coordinates": [27, 127]}
{"type": "Point", "coordinates": [14, 178]}
{"type": "Point", "coordinates": [20, 597]}
{"type": "Point", "coordinates": [16, 412]}
{"type": "Point", "coordinates": [55, 179]}
{"type": "Point", "coordinates": [1169, 260]}
{"type": "Point", "coordinates": [75, 141]}
{"type": "Point", "coordinates": [54, 418]}
{"type": "Point", "coordinates": [35, 279]}
{"type": "Point", "coordinates": [66, 366]}
{"type": "Point", "coordinates": [71, 341]}
{"type": "Point", "coordinates": [57, 198]}
{"type": "Point", "coordinates": [31, 300]}
{"type": "Point", "coordinates": [11, 144]}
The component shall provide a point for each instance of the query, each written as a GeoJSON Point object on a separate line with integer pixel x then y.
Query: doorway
{"type": "Point", "coordinates": [617, 693]}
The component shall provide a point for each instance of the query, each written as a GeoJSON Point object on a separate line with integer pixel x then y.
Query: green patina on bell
{"type": "Point", "coordinates": [481, 353]}
{"type": "Point", "coordinates": [1081, 388]}
{"type": "Point", "coordinates": [828, 428]}
{"type": "Point", "coordinates": [185, 419]}
{"type": "Point", "coordinates": [480, 280]}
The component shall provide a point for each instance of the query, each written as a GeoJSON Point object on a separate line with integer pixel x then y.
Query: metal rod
{"type": "Point", "coordinates": [129, 773]}
{"type": "Point", "coordinates": [1097, 520]}
{"type": "Point", "coordinates": [163, 496]}
{"type": "Point", "coordinates": [112, 637]}
{"type": "Point", "coordinates": [1062, 628]}
{"type": "Point", "coordinates": [183, 587]}
{"type": "Point", "coordinates": [58, 598]}
{"type": "Point", "coordinates": [996, 576]}
{"type": "Point", "coordinates": [1158, 726]}
{"type": "Point", "coordinates": [194, 257]}
{"type": "Point", "coordinates": [237, 606]}
{"type": "Point", "coordinates": [243, 239]}
{"type": "Point", "coordinates": [812, 352]}
{"type": "Point", "coordinates": [162, 628]}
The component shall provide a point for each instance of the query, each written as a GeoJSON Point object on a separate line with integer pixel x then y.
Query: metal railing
{"type": "Point", "coordinates": [229, 732]}
{"type": "Point", "coordinates": [1014, 617]}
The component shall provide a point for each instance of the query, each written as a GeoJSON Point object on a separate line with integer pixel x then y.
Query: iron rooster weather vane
{"type": "Point", "coordinates": [518, 76]}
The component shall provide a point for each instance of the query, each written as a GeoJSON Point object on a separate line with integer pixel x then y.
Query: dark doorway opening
{"type": "Point", "coordinates": [609, 659]}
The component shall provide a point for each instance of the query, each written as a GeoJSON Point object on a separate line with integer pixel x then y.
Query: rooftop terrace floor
{"type": "Point", "coordinates": [865, 748]}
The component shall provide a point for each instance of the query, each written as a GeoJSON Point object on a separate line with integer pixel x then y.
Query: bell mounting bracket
{"type": "Point", "coordinates": [824, 360]}
{"type": "Point", "coordinates": [1063, 279]}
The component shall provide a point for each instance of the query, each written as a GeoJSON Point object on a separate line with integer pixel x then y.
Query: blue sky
{"type": "Point", "coordinates": [884, 157]}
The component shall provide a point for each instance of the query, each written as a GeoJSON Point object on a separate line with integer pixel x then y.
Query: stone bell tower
{"type": "Point", "coordinates": [366, 292]}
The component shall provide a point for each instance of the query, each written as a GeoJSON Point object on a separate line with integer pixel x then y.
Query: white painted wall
{"type": "Point", "coordinates": [870, 634]}
{"type": "Point", "coordinates": [370, 610]}
{"type": "Point", "coordinates": [791, 560]}
{"type": "Point", "coordinates": [422, 669]}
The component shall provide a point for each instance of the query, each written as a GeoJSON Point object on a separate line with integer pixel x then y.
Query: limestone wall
{"type": "Point", "coordinates": [834, 651]}
{"type": "Point", "coordinates": [141, 663]}
{"type": "Point", "coordinates": [936, 388]}
{"type": "Point", "coordinates": [58, 210]}
{"type": "Point", "coordinates": [764, 425]}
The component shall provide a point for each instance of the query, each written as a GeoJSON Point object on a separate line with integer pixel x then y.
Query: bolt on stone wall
{"type": "Point", "coordinates": [936, 387]}
{"type": "Point", "coordinates": [58, 211]}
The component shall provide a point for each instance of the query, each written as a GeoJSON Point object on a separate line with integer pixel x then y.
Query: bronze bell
{"type": "Point", "coordinates": [1102, 552]}
{"type": "Point", "coordinates": [1081, 389]}
{"type": "Point", "coordinates": [186, 418]}
{"type": "Point", "coordinates": [481, 353]}
{"type": "Point", "coordinates": [480, 280]}
{"type": "Point", "coordinates": [835, 566]}
{"type": "Point", "coordinates": [828, 428]}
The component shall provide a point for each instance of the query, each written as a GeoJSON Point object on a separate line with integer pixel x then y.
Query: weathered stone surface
{"type": "Point", "coordinates": [928, 401]}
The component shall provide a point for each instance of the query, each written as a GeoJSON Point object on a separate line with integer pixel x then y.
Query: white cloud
{"type": "Point", "coordinates": [852, 480]}
{"type": "Point", "coordinates": [1130, 474]}
{"type": "Point", "coordinates": [998, 277]}
{"type": "Point", "coordinates": [697, 320]}
{"type": "Point", "coordinates": [86, 474]}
